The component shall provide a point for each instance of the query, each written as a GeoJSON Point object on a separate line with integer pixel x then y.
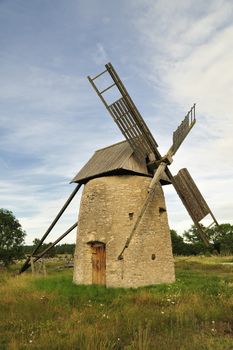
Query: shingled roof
{"type": "Point", "coordinates": [117, 159]}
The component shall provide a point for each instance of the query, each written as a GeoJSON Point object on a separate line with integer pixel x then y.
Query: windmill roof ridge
{"type": "Point", "coordinates": [113, 145]}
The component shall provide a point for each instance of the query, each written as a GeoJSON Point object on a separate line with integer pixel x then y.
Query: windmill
{"type": "Point", "coordinates": [123, 235]}
{"type": "Point", "coordinates": [136, 256]}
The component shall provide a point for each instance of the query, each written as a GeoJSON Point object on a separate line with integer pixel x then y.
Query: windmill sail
{"type": "Point", "coordinates": [193, 201]}
{"type": "Point", "coordinates": [127, 117]}
{"type": "Point", "coordinates": [191, 196]}
{"type": "Point", "coordinates": [183, 129]}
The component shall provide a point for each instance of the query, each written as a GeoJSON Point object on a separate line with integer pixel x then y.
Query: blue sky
{"type": "Point", "coordinates": [169, 55]}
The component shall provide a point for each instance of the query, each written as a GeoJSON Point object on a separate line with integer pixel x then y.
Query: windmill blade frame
{"type": "Point", "coordinates": [193, 201]}
{"type": "Point", "coordinates": [183, 129]}
{"type": "Point", "coordinates": [127, 117]}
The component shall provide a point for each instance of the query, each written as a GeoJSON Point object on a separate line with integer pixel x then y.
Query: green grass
{"type": "Point", "coordinates": [50, 312]}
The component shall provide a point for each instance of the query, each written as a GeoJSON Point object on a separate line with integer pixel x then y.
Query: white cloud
{"type": "Point", "coordinates": [100, 56]}
{"type": "Point", "coordinates": [37, 88]}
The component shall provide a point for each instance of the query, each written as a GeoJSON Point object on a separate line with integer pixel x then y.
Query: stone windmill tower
{"type": "Point", "coordinates": [123, 235]}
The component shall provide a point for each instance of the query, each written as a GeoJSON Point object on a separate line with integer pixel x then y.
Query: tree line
{"type": "Point", "coordinates": [12, 238]}
{"type": "Point", "coordinates": [64, 248]}
{"type": "Point", "coordinates": [190, 243]}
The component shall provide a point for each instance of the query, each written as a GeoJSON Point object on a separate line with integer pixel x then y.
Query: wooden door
{"type": "Point", "coordinates": [98, 263]}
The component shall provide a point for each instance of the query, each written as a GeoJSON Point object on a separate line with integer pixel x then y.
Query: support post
{"type": "Point", "coordinates": [26, 264]}
{"type": "Point", "coordinates": [44, 268]}
{"type": "Point", "coordinates": [32, 265]}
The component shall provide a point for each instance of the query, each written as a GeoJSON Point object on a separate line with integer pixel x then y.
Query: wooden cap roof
{"type": "Point", "coordinates": [117, 159]}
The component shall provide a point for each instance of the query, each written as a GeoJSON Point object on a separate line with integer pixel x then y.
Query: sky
{"type": "Point", "coordinates": [169, 54]}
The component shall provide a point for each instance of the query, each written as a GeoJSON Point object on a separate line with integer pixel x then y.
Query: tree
{"type": "Point", "coordinates": [179, 247]}
{"type": "Point", "coordinates": [50, 254]}
{"type": "Point", "coordinates": [11, 237]}
{"type": "Point", "coordinates": [193, 238]}
{"type": "Point", "coordinates": [177, 243]}
{"type": "Point", "coordinates": [65, 248]}
{"type": "Point", "coordinates": [220, 238]}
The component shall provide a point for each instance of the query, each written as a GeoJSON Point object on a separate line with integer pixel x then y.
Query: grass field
{"type": "Point", "coordinates": [195, 313]}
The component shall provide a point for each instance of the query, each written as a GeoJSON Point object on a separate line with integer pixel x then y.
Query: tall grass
{"type": "Point", "coordinates": [50, 312]}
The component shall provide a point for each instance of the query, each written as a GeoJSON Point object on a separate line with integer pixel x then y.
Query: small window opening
{"type": "Point", "coordinates": [161, 210]}
{"type": "Point", "coordinates": [131, 216]}
{"type": "Point", "coordinates": [152, 256]}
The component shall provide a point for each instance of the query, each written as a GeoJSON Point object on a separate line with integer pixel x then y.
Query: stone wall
{"type": "Point", "coordinates": [109, 208]}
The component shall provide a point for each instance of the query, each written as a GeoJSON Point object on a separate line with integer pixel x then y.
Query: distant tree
{"type": "Point", "coordinates": [51, 253]}
{"type": "Point", "coordinates": [65, 249]}
{"type": "Point", "coordinates": [11, 237]}
{"type": "Point", "coordinates": [179, 246]}
{"type": "Point", "coordinates": [193, 238]}
{"type": "Point", "coordinates": [220, 238]}
{"type": "Point", "coordinates": [177, 243]}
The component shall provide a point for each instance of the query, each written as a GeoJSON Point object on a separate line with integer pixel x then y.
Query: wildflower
{"type": "Point", "coordinates": [44, 298]}
{"type": "Point", "coordinates": [30, 341]}
{"type": "Point", "coordinates": [173, 302]}
{"type": "Point", "coordinates": [162, 312]}
{"type": "Point", "coordinates": [212, 321]}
